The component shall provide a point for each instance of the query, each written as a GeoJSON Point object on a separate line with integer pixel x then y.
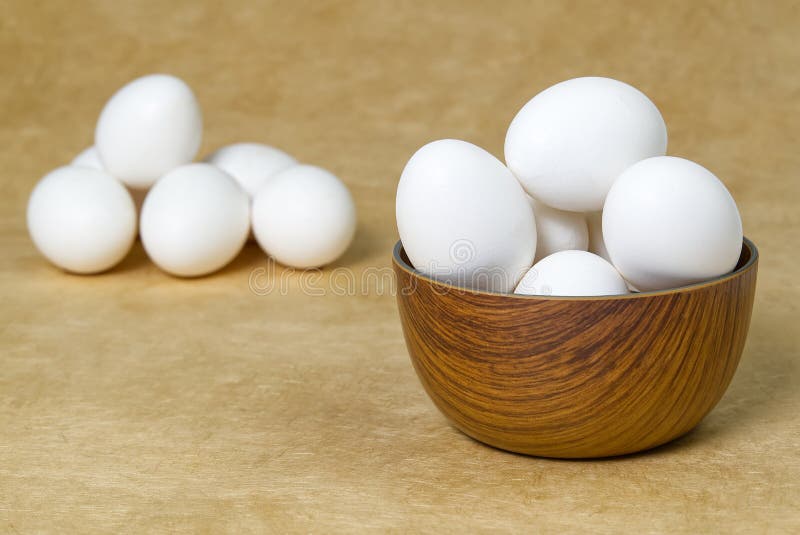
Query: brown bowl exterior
{"type": "Point", "coordinates": [576, 377]}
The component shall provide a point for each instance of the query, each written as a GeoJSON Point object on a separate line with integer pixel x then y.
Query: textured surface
{"type": "Point", "coordinates": [136, 402]}
{"type": "Point", "coordinates": [575, 378]}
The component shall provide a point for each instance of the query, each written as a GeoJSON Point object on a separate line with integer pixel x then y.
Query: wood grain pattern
{"type": "Point", "coordinates": [575, 378]}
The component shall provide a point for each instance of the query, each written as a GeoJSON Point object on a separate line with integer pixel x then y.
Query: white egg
{"type": "Point", "coordinates": [81, 219]}
{"type": "Point", "coordinates": [463, 218]}
{"type": "Point", "coordinates": [569, 143]}
{"type": "Point", "coordinates": [596, 243]}
{"type": "Point", "coordinates": [91, 158]}
{"type": "Point", "coordinates": [669, 222]}
{"type": "Point", "coordinates": [251, 164]}
{"type": "Point", "coordinates": [195, 220]}
{"type": "Point", "coordinates": [558, 230]}
{"type": "Point", "coordinates": [148, 128]}
{"type": "Point", "coordinates": [304, 217]}
{"type": "Point", "coordinates": [572, 273]}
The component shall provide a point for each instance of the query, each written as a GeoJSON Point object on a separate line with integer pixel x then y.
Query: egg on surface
{"type": "Point", "coordinates": [251, 164]}
{"type": "Point", "coordinates": [149, 127]}
{"type": "Point", "coordinates": [572, 273]}
{"type": "Point", "coordinates": [597, 245]}
{"type": "Point", "coordinates": [558, 230]}
{"type": "Point", "coordinates": [194, 220]}
{"type": "Point", "coordinates": [304, 217]}
{"type": "Point", "coordinates": [569, 142]}
{"type": "Point", "coordinates": [463, 218]}
{"type": "Point", "coordinates": [669, 222]}
{"type": "Point", "coordinates": [81, 219]}
{"type": "Point", "coordinates": [91, 158]}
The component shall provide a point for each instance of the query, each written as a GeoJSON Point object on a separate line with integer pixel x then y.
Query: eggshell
{"type": "Point", "coordinates": [195, 220]}
{"type": "Point", "coordinates": [597, 245]}
{"type": "Point", "coordinates": [304, 217]}
{"type": "Point", "coordinates": [669, 222]}
{"type": "Point", "coordinates": [251, 164]}
{"type": "Point", "coordinates": [572, 273]}
{"type": "Point", "coordinates": [463, 218]}
{"type": "Point", "coordinates": [81, 219]}
{"type": "Point", "coordinates": [148, 128]}
{"type": "Point", "coordinates": [569, 143]}
{"type": "Point", "coordinates": [91, 158]}
{"type": "Point", "coordinates": [558, 230]}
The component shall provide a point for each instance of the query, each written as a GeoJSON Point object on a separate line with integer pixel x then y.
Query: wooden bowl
{"type": "Point", "coordinates": [576, 377]}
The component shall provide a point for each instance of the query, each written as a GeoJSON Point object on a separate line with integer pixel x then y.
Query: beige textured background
{"type": "Point", "coordinates": [137, 402]}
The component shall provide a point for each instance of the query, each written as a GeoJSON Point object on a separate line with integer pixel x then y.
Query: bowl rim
{"type": "Point", "coordinates": [747, 266]}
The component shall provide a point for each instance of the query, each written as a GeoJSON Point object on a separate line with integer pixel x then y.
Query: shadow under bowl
{"type": "Point", "coordinates": [576, 377]}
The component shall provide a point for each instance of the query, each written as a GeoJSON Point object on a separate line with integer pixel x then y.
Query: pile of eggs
{"type": "Point", "coordinates": [587, 203]}
{"type": "Point", "coordinates": [194, 217]}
